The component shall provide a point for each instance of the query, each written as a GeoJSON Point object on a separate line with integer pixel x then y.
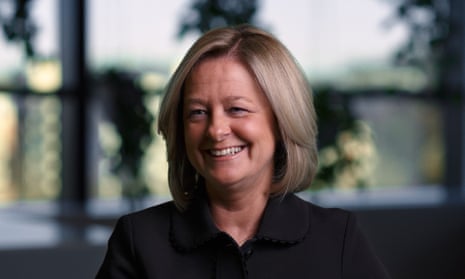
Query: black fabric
{"type": "Point", "coordinates": [295, 239]}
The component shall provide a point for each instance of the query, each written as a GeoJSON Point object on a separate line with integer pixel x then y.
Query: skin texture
{"type": "Point", "coordinates": [230, 138]}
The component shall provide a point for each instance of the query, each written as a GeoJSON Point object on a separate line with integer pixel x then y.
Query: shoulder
{"type": "Point", "coordinates": [149, 227]}
{"type": "Point", "coordinates": [149, 218]}
{"type": "Point", "coordinates": [326, 219]}
{"type": "Point", "coordinates": [136, 236]}
{"type": "Point", "coordinates": [336, 216]}
{"type": "Point", "coordinates": [290, 216]}
{"type": "Point", "coordinates": [158, 210]}
{"type": "Point", "coordinates": [322, 214]}
{"type": "Point", "coordinates": [336, 232]}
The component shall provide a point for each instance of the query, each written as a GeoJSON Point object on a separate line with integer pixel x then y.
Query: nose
{"type": "Point", "coordinates": [219, 126]}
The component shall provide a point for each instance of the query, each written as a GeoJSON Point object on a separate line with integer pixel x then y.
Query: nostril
{"type": "Point", "coordinates": [219, 132]}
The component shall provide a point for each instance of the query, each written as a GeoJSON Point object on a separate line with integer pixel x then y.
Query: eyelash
{"type": "Point", "coordinates": [237, 109]}
{"type": "Point", "coordinates": [195, 113]}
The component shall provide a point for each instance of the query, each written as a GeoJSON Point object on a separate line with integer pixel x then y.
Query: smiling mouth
{"type": "Point", "coordinates": [226, 152]}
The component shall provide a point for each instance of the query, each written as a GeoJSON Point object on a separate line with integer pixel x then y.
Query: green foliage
{"type": "Point", "coordinates": [19, 27]}
{"type": "Point", "coordinates": [428, 25]}
{"type": "Point", "coordinates": [125, 108]}
{"type": "Point", "coordinates": [348, 162]}
{"type": "Point", "coordinates": [347, 152]}
{"type": "Point", "coordinates": [208, 14]}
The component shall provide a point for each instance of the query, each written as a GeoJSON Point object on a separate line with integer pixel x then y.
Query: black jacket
{"type": "Point", "coordinates": [295, 239]}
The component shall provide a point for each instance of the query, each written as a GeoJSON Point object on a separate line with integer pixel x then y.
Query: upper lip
{"type": "Point", "coordinates": [223, 148]}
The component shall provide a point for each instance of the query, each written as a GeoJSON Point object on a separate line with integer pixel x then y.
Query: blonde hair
{"type": "Point", "coordinates": [286, 89]}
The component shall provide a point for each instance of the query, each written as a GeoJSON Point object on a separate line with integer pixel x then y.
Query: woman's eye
{"type": "Point", "coordinates": [196, 113]}
{"type": "Point", "coordinates": [237, 110]}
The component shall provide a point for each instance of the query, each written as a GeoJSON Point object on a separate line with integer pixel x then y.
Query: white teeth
{"type": "Point", "coordinates": [227, 151]}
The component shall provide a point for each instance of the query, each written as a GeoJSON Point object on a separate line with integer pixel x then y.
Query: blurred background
{"type": "Point", "coordinates": [80, 84]}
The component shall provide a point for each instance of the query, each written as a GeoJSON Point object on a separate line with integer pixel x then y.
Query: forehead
{"type": "Point", "coordinates": [222, 74]}
{"type": "Point", "coordinates": [224, 79]}
{"type": "Point", "coordinates": [225, 68]}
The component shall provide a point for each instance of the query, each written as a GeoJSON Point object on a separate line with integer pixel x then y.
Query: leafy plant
{"type": "Point", "coordinates": [125, 108]}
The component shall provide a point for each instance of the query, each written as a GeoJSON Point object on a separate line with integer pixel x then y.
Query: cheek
{"type": "Point", "coordinates": [192, 137]}
{"type": "Point", "coordinates": [258, 131]}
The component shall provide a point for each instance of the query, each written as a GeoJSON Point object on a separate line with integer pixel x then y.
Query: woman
{"type": "Point", "coordinates": [239, 124]}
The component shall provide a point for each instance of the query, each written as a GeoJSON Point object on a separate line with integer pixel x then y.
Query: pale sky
{"type": "Point", "coordinates": [324, 35]}
{"type": "Point", "coordinates": [330, 33]}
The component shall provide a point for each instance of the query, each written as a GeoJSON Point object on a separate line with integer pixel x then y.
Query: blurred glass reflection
{"type": "Point", "coordinates": [41, 148]}
{"type": "Point", "coordinates": [43, 76]}
{"type": "Point", "coordinates": [408, 138]}
{"type": "Point", "coordinates": [8, 147]}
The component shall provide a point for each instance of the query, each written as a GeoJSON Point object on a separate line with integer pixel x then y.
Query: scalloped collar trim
{"type": "Point", "coordinates": [285, 221]}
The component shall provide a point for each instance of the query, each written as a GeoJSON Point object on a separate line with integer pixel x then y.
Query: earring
{"type": "Point", "coordinates": [196, 181]}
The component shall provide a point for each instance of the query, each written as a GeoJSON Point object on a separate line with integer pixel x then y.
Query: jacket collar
{"type": "Point", "coordinates": [285, 221]}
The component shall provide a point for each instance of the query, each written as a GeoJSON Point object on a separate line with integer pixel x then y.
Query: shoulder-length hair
{"type": "Point", "coordinates": [283, 83]}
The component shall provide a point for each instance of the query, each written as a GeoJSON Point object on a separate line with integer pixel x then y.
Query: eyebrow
{"type": "Point", "coordinates": [194, 101]}
{"type": "Point", "coordinates": [238, 98]}
{"type": "Point", "coordinates": [200, 101]}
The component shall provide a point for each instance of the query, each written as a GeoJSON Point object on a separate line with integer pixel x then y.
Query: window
{"type": "Point", "coordinates": [30, 167]}
{"type": "Point", "coordinates": [344, 50]}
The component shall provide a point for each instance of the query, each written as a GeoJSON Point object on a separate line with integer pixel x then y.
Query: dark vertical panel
{"type": "Point", "coordinates": [74, 97]}
{"type": "Point", "coordinates": [453, 90]}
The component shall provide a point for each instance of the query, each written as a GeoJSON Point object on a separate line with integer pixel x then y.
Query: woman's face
{"type": "Point", "coordinates": [229, 127]}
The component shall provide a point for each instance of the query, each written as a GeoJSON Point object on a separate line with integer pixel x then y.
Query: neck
{"type": "Point", "coordinates": [239, 215]}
